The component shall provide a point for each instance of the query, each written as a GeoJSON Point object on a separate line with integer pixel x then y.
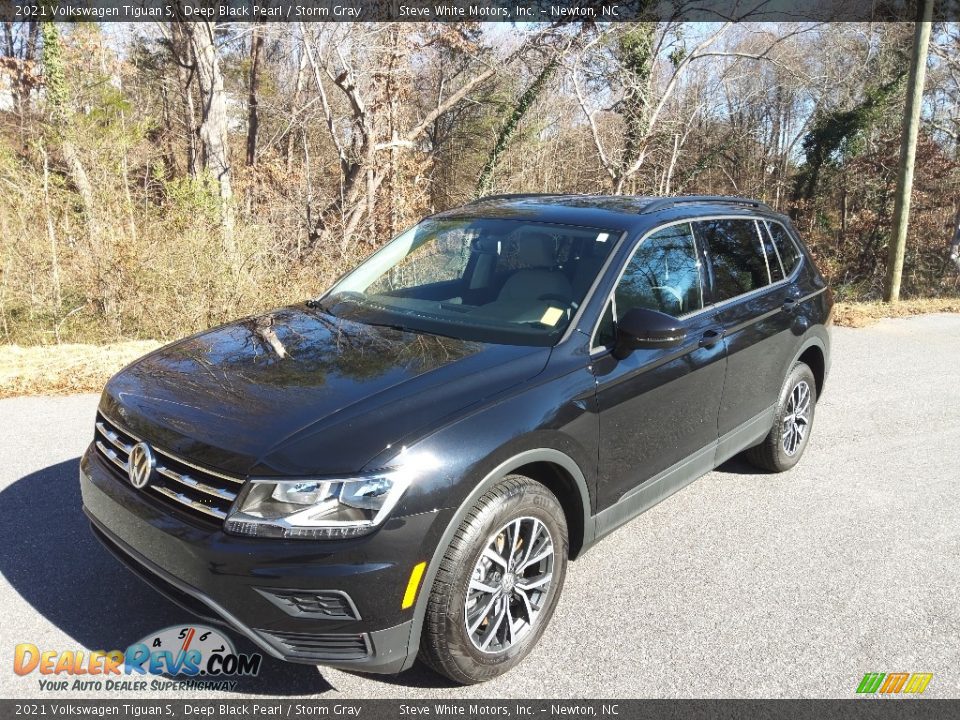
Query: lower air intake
{"type": "Point", "coordinates": [308, 646]}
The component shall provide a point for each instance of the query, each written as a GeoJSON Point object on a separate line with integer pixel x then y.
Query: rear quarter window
{"type": "Point", "coordinates": [786, 248]}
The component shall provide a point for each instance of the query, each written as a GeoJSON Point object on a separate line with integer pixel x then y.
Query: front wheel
{"type": "Point", "coordinates": [498, 583]}
{"type": "Point", "coordinates": [784, 445]}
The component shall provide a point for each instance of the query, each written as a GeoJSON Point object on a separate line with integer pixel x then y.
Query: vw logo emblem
{"type": "Point", "coordinates": [140, 465]}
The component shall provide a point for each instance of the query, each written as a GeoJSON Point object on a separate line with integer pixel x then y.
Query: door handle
{"type": "Point", "coordinates": [790, 304]}
{"type": "Point", "coordinates": [711, 337]}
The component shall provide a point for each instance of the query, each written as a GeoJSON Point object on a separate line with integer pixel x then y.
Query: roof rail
{"type": "Point", "coordinates": [668, 202]}
{"type": "Point", "coordinates": [510, 196]}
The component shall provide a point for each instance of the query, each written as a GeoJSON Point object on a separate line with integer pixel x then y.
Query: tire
{"type": "Point", "coordinates": [447, 644]}
{"type": "Point", "coordinates": [784, 445]}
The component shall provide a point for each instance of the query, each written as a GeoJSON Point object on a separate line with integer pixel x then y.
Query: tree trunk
{"type": "Point", "coordinates": [635, 48]}
{"type": "Point", "coordinates": [292, 132]}
{"type": "Point", "coordinates": [253, 118]}
{"type": "Point", "coordinates": [908, 152]}
{"type": "Point", "coordinates": [529, 96]}
{"type": "Point", "coordinates": [60, 118]}
{"type": "Point", "coordinates": [213, 120]}
{"type": "Point", "coordinates": [183, 58]}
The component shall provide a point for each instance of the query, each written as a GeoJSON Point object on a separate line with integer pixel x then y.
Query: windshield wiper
{"type": "Point", "coordinates": [407, 328]}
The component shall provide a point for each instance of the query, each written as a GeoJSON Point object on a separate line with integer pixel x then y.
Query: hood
{"type": "Point", "coordinates": [299, 392]}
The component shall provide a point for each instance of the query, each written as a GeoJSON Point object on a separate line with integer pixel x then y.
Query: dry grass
{"type": "Point", "coordinates": [64, 369]}
{"type": "Point", "coordinates": [861, 314]}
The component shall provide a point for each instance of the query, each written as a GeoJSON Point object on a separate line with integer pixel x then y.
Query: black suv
{"type": "Point", "coordinates": [403, 467]}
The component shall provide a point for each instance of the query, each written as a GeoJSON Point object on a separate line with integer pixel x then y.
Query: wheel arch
{"type": "Point", "coordinates": [813, 355]}
{"type": "Point", "coordinates": [551, 467]}
{"type": "Point", "coordinates": [559, 480]}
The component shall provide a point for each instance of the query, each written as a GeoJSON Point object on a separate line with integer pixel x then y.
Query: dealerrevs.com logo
{"type": "Point", "coordinates": [199, 657]}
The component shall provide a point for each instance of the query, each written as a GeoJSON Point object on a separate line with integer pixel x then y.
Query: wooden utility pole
{"type": "Point", "coordinates": [908, 151]}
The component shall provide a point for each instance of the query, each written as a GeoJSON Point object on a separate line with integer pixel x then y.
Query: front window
{"type": "Point", "coordinates": [663, 275]}
{"type": "Point", "coordinates": [489, 279]}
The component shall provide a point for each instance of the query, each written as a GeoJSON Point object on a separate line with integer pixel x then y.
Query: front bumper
{"type": "Point", "coordinates": [237, 581]}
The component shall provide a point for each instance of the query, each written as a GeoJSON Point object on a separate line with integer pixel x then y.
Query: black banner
{"type": "Point", "coordinates": [541, 11]}
{"type": "Point", "coordinates": [854, 709]}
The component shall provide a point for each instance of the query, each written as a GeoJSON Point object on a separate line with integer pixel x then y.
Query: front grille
{"type": "Point", "coordinates": [332, 605]}
{"type": "Point", "coordinates": [322, 647]}
{"type": "Point", "coordinates": [196, 492]}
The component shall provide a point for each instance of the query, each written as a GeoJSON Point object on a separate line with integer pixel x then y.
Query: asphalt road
{"type": "Point", "coordinates": [741, 585]}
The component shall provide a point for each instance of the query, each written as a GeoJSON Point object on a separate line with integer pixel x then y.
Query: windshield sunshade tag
{"type": "Point", "coordinates": [552, 316]}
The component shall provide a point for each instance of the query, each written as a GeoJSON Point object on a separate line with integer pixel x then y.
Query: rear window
{"type": "Point", "coordinates": [785, 247]}
{"type": "Point", "coordinates": [738, 260]}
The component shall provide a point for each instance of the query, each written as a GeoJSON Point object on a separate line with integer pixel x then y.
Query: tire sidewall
{"type": "Point", "coordinates": [529, 501]}
{"type": "Point", "coordinates": [799, 372]}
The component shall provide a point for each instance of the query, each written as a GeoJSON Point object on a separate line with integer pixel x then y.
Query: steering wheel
{"type": "Point", "coordinates": [564, 301]}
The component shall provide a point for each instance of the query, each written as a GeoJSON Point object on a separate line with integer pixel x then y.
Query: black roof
{"type": "Point", "coordinates": [613, 211]}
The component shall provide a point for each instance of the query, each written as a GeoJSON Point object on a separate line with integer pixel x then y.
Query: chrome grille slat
{"type": "Point", "coordinates": [112, 456]}
{"type": "Point", "coordinates": [205, 471]}
{"type": "Point", "coordinates": [196, 484]}
{"type": "Point", "coordinates": [196, 491]}
{"type": "Point", "coordinates": [189, 502]}
{"type": "Point", "coordinates": [114, 438]}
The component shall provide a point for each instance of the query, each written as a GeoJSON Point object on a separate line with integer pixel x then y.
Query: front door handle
{"type": "Point", "coordinates": [711, 337]}
{"type": "Point", "coordinates": [790, 304]}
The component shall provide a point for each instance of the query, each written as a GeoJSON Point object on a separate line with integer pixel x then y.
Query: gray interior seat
{"type": "Point", "coordinates": [520, 298]}
{"type": "Point", "coordinates": [540, 276]}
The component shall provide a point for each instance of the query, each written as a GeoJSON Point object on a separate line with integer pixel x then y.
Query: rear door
{"type": "Point", "coordinates": [754, 304]}
{"type": "Point", "coordinates": [657, 407]}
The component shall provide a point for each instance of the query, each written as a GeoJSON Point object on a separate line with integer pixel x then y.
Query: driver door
{"type": "Point", "coordinates": [658, 407]}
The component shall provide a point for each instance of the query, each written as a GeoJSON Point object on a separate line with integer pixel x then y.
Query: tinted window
{"type": "Point", "coordinates": [442, 260]}
{"type": "Point", "coordinates": [739, 265]}
{"type": "Point", "coordinates": [606, 332]}
{"type": "Point", "coordinates": [773, 258]}
{"type": "Point", "coordinates": [789, 255]}
{"type": "Point", "coordinates": [499, 280]}
{"type": "Point", "coordinates": [663, 275]}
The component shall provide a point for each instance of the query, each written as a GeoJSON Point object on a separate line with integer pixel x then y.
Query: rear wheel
{"type": "Point", "coordinates": [784, 445]}
{"type": "Point", "coordinates": [498, 583]}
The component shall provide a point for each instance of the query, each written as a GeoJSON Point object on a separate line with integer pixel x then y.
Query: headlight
{"type": "Point", "coordinates": [316, 508]}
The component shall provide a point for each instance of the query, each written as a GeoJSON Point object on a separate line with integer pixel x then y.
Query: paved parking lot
{"type": "Point", "coordinates": [741, 585]}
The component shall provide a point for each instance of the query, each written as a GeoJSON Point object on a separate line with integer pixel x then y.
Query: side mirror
{"type": "Point", "coordinates": [643, 329]}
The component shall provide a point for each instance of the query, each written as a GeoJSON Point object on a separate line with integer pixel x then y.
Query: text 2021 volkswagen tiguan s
{"type": "Point", "coordinates": [403, 467]}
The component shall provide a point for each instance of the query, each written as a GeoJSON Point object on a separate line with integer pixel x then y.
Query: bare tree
{"type": "Point", "coordinates": [640, 105]}
{"type": "Point", "coordinates": [213, 131]}
{"type": "Point", "coordinates": [369, 150]}
{"type": "Point", "coordinates": [646, 69]}
{"type": "Point", "coordinates": [253, 99]}
{"type": "Point", "coordinates": [509, 126]}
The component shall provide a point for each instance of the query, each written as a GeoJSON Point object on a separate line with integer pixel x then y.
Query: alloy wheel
{"type": "Point", "coordinates": [797, 420]}
{"type": "Point", "coordinates": [510, 585]}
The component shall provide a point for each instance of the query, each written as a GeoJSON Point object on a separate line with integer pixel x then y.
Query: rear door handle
{"type": "Point", "coordinates": [711, 337]}
{"type": "Point", "coordinates": [790, 304]}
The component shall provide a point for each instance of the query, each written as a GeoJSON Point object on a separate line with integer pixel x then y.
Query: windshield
{"type": "Point", "coordinates": [513, 282]}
